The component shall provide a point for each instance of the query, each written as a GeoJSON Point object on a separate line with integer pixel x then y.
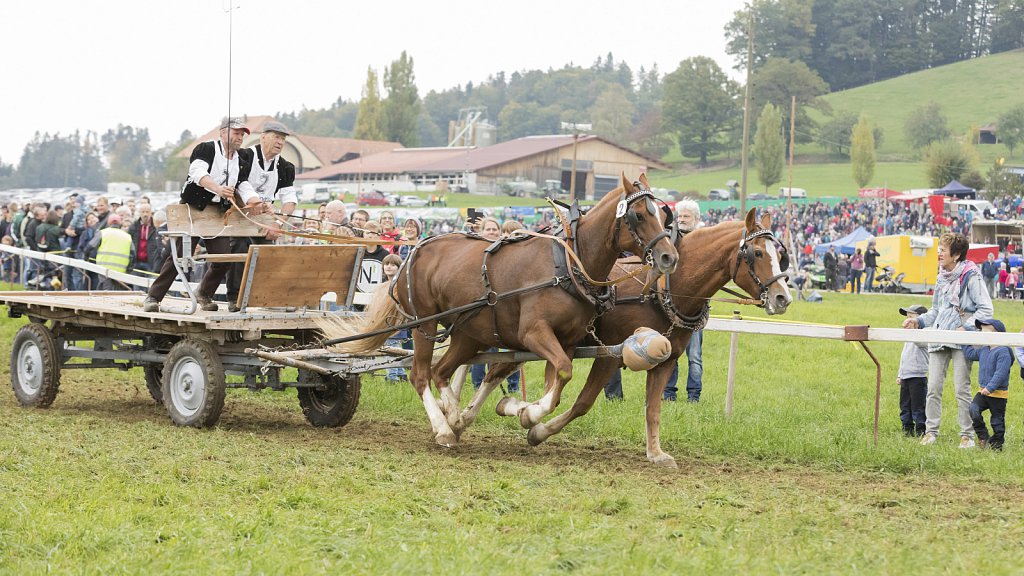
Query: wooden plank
{"type": "Point", "coordinates": [183, 219]}
{"type": "Point", "coordinates": [298, 275]}
{"type": "Point", "coordinates": [222, 257]}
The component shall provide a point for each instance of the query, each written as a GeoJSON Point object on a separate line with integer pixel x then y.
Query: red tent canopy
{"type": "Point", "coordinates": [877, 193]}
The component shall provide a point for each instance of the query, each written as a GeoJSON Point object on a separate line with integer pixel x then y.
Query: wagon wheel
{"type": "Point", "coordinates": [330, 404]}
{"type": "Point", "coordinates": [193, 384]}
{"type": "Point", "coordinates": [154, 372]}
{"type": "Point", "coordinates": [154, 381]}
{"type": "Point", "coordinates": [35, 366]}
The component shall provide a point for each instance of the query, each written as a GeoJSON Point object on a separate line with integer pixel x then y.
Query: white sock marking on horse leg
{"type": "Point", "coordinates": [537, 411]}
{"type": "Point", "coordinates": [458, 381]}
{"type": "Point", "coordinates": [443, 432]}
{"type": "Point", "coordinates": [473, 408]}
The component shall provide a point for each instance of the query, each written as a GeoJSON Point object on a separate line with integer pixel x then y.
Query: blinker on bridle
{"type": "Point", "coordinates": [746, 254]}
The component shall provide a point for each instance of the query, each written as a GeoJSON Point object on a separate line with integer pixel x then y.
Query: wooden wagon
{"type": "Point", "coordinates": [186, 353]}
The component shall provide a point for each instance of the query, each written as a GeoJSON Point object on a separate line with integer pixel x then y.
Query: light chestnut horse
{"type": "Point", "coordinates": [527, 302]}
{"type": "Point", "coordinates": [710, 257]}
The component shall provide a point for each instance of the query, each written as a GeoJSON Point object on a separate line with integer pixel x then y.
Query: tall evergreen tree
{"type": "Point", "coordinates": [402, 106]}
{"type": "Point", "coordinates": [370, 120]}
{"type": "Point", "coordinates": [769, 148]}
{"type": "Point", "coordinates": [862, 152]}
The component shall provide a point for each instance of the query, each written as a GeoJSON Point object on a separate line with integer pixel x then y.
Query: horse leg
{"type": "Point", "coordinates": [656, 379]}
{"type": "Point", "coordinates": [458, 381]}
{"type": "Point", "coordinates": [600, 372]}
{"type": "Point", "coordinates": [546, 345]}
{"type": "Point", "coordinates": [511, 405]}
{"type": "Point", "coordinates": [494, 376]}
{"type": "Point", "coordinates": [419, 377]}
{"type": "Point", "coordinates": [460, 350]}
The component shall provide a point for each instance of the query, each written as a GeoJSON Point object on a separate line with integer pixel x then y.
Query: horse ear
{"type": "Point", "coordinates": [766, 221]}
{"type": "Point", "coordinates": [751, 221]}
{"type": "Point", "coordinates": [643, 180]}
{"type": "Point", "coordinates": [626, 185]}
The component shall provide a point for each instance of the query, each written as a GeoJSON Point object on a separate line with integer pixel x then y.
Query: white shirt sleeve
{"type": "Point", "coordinates": [197, 169]}
{"type": "Point", "coordinates": [246, 191]}
{"type": "Point", "coordinates": [287, 194]}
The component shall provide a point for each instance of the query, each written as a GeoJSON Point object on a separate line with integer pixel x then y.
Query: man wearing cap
{"type": "Point", "coordinates": [994, 363]}
{"type": "Point", "coordinates": [218, 169]}
{"type": "Point", "coordinates": [912, 378]}
{"type": "Point", "coordinates": [272, 177]}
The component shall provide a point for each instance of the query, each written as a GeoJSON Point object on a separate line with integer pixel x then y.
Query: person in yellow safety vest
{"type": "Point", "coordinates": [114, 251]}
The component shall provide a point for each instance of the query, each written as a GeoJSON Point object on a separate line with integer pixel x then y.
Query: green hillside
{"type": "Point", "coordinates": [971, 93]}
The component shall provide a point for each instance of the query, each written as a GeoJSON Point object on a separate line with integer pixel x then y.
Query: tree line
{"type": "Point", "coordinates": [850, 43]}
{"type": "Point", "coordinates": [802, 49]}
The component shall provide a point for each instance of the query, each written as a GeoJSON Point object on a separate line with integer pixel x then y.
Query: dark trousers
{"type": "Point", "coordinates": [831, 282]}
{"type": "Point", "coordinates": [913, 392]}
{"type": "Point", "coordinates": [234, 279]}
{"type": "Point", "coordinates": [214, 274]}
{"type": "Point", "coordinates": [998, 419]}
{"type": "Point", "coordinates": [613, 389]}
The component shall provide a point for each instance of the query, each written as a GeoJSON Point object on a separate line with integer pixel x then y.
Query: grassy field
{"type": "Point", "coordinates": [102, 483]}
{"type": "Point", "coordinates": [819, 180]}
{"type": "Point", "coordinates": [971, 93]}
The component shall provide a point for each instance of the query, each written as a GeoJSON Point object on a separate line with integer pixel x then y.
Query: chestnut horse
{"type": "Point", "coordinates": [709, 257]}
{"type": "Point", "coordinates": [528, 301]}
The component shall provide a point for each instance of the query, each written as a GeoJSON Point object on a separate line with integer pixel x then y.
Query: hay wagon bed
{"type": "Point", "coordinates": [185, 357]}
{"type": "Point", "coordinates": [186, 352]}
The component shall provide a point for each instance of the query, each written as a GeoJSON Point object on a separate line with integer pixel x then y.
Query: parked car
{"type": "Point", "coordinates": [412, 201]}
{"type": "Point", "coordinates": [786, 191]}
{"type": "Point", "coordinates": [757, 196]}
{"type": "Point", "coordinates": [719, 194]}
{"type": "Point", "coordinates": [373, 198]}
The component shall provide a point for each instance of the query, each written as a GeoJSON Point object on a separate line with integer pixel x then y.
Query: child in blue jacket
{"type": "Point", "coordinates": [993, 386]}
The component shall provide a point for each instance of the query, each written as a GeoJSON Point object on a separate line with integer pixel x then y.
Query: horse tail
{"type": "Point", "coordinates": [380, 313]}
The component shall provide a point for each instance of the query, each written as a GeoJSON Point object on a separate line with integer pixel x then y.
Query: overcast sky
{"type": "Point", "coordinates": [91, 64]}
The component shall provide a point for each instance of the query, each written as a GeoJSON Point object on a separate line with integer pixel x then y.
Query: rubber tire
{"type": "Point", "coordinates": [37, 336]}
{"type": "Point", "coordinates": [200, 359]}
{"type": "Point", "coordinates": [155, 381]}
{"type": "Point", "coordinates": [330, 406]}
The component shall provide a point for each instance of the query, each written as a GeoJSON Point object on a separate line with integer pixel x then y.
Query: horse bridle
{"type": "Point", "coordinates": [746, 253]}
{"type": "Point", "coordinates": [633, 219]}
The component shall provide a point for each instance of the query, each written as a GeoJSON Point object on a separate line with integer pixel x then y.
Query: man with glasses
{"type": "Point", "coordinates": [272, 178]}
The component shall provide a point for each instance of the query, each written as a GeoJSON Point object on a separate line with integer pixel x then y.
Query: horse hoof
{"type": "Point", "coordinates": [538, 434]}
{"type": "Point", "coordinates": [664, 461]}
{"type": "Point", "coordinates": [530, 416]}
{"type": "Point", "coordinates": [502, 404]}
{"type": "Point", "coordinates": [446, 439]}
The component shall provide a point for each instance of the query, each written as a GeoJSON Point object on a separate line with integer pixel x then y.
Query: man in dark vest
{"type": "Point", "coordinates": [217, 170]}
{"type": "Point", "coordinates": [272, 177]}
{"type": "Point", "coordinates": [831, 263]}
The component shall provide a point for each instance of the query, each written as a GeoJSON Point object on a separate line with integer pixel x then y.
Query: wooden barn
{"type": "Point", "coordinates": [491, 169]}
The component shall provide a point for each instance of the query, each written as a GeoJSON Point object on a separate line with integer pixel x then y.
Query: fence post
{"type": "Point", "coordinates": [734, 339]}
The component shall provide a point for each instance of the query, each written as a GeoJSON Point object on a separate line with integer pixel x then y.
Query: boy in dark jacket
{"type": "Point", "coordinates": [993, 386]}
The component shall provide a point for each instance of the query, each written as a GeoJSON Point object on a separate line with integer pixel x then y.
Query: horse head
{"type": "Point", "coordinates": [644, 233]}
{"type": "Point", "coordinates": [761, 264]}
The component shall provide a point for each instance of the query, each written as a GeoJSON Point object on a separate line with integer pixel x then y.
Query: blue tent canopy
{"type": "Point", "coordinates": [956, 190]}
{"type": "Point", "coordinates": [847, 244]}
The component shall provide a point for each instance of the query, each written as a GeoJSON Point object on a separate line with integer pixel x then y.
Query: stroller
{"type": "Point", "coordinates": [890, 282]}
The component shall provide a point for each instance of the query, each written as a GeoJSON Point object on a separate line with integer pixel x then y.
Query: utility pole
{"type": "Point", "coordinates": [746, 112]}
{"type": "Point", "coordinates": [576, 128]}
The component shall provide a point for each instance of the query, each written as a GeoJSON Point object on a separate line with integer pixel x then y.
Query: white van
{"type": "Point", "coordinates": [977, 208]}
{"type": "Point", "coordinates": [786, 191]}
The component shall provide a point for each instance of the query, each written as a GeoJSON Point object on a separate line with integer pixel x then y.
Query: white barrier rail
{"type": "Point", "coordinates": [873, 334]}
{"type": "Point", "coordinates": [130, 279]}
